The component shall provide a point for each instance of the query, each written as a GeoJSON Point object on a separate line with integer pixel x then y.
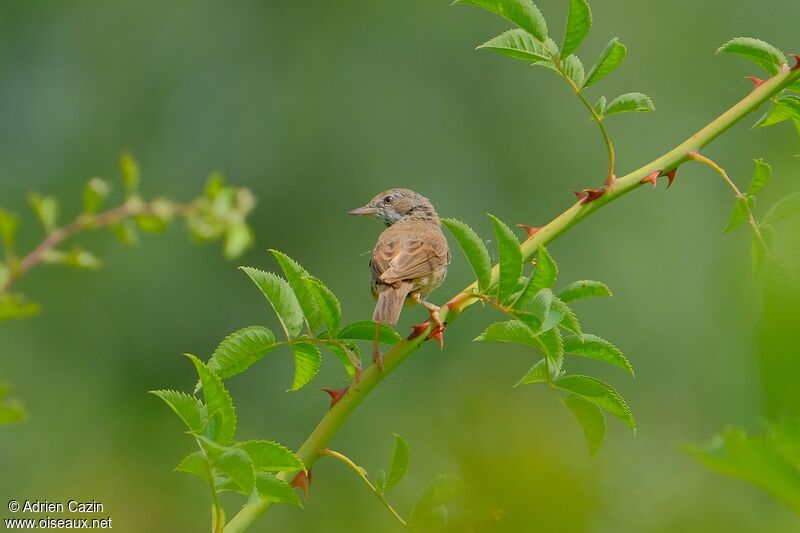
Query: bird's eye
{"type": "Point", "coordinates": [387, 200]}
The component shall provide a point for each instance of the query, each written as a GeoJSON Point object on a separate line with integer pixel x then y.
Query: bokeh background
{"type": "Point", "coordinates": [316, 106]}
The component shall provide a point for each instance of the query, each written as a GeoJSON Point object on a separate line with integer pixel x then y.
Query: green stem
{"type": "Point", "coordinates": [333, 420]}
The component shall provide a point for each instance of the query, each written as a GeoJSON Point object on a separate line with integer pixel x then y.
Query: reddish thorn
{"type": "Point", "coordinates": [796, 61]}
{"type": "Point", "coordinates": [580, 195]}
{"type": "Point", "coordinates": [671, 176]}
{"type": "Point", "coordinates": [590, 195]}
{"type": "Point", "coordinates": [335, 394]}
{"type": "Point", "coordinates": [302, 481]}
{"type": "Point", "coordinates": [651, 178]}
{"type": "Point", "coordinates": [418, 329]}
{"type": "Point", "coordinates": [530, 229]}
{"type": "Point", "coordinates": [756, 81]}
{"type": "Point", "coordinates": [438, 334]}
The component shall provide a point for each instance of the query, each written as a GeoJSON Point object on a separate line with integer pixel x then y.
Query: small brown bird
{"type": "Point", "coordinates": [410, 259]}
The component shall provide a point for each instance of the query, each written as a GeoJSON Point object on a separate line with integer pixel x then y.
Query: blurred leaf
{"type": "Point", "coordinates": [188, 408]}
{"type": "Point", "coordinates": [785, 107]}
{"type": "Point", "coordinates": [771, 461]}
{"type": "Point", "coordinates": [9, 224]}
{"type": "Point", "coordinates": [46, 210]}
{"type": "Point", "coordinates": [579, 22]}
{"type": "Point", "coordinates": [364, 330]}
{"type": "Point", "coordinates": [783, 208]}
{"type": "Point", "coordinates": [510, 331]}
{"type": "Point", "coordinates": [239, 238]}
{"type": "Point", "coordinates": [16, 306]}
{"type": "Point", "coordinates": [270, 456]}
{"type": "Point", "coordinates": [573, 68]}
{"type": "Point", "coordinates": [295, 275]}
{"type": "Point", "coordinates": [125, 232]}
{"type": "Point", "coordinates": [130, 173]}
{"type": "Point", "coordinates": [237, 465]}
{"type": "Point", "coordinates": [307, 360]}
{"type": "Point", "coordinates": [11, 409]}
{"type": "Point", "coordinates": [151, 223]}
{"type": "Point", "coordinates": [597, 348]}
{"type": "Point", "coordinates": [610, 58]}
{"type": "Point", "coordinates": [328, 304]}
{"type": "Point", "coordinates": [76, 258]}
{"type": "Point", "coordinates": [760, 177]}
{"type": "Point", "coordinates": [273, 489]}
{"type": "Point", "coordinates": [518, 44]}
{"type": "Point", "coordinates": [399, 464]}
{"type": "Point", "coordinates": [281, 297]}
{"type": "Point", "coordinates": [221, 414]}
{"type": "Point", "coordinates": [523, 13]}
{"type": "Point", "coordinates": [215, 184]}
{"type": "Point", "coordinates": [740, 213]}
{"type": "Point", "coordinates": [510, 259]}
{"type": "Point", "coordinates": [630, 102]}
{"type": "Point", "coordinates": [569, 320]}
{"type": "Point", "coordinates": [196, 464]}
{"type": "Point", "coordinates": [583, 289]}
{"type": "Point", "coordinates": [537, 374]}
{"type": "Point", "coordinates": [760, 250]}
{"type": "Point", "coordinates": [239, 350]}
{"type": "Point", "coordinates": [591, 419]}
{"type": "Point", "coordinates": [759, 52]}
{"type": "Point", "coordinates": [442, 490]}
{"type": "Point", "coordinates": [94, 193]}
{"type": "Point", "coordinates": [599, 393]}
{"type": "Point", "coordinates": [474, 249]}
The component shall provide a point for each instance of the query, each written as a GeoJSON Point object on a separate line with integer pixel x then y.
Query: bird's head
{"type": "Point", "coordinates": [397, 204]}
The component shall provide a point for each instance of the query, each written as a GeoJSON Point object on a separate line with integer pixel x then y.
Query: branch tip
{"type": "Point", "coordinates": [418, 329]}
{"type": "Point", "coordinates": [335, 394]}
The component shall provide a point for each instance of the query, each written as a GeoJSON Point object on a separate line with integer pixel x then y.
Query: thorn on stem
{"type": "Point", "coordinates": [756, 81]}
{"type": "Point", "coordinates": [651, 178]}
{"type": "Point", "coordinates": [589, 195]}
{"type": "Point", "coordinates": [438, 334]}
{"type": "Point", "coordinates": [796, 61]}
{"type": "Point", "coordinates": [302, 481]}
{"type": "Point", "coordinates": [335, 394]}
{"type": "Point", "coordinates": [670, 175]}
{"type": "Point", "coordinates": [418, 329]}
{"type": "Point", "coordinates": [531, 230]}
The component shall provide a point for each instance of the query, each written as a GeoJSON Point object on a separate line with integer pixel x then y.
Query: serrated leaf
{"type": "Point", "coordinates": [328, 304]}
{"type": "Point", "coordinates": [601, 394]}
{"type": "Point", "coordinates": [630, 102]}
{"type": "Point", "coordinates": [398, 465]}
{"type": "Point", "coordinates": [219, 406]}
{"type": "Point", "coordinates": [537, 374]}
{"type": "Point", "coordinates": [761, 249]}
{"type": "Point", "coordinates": [94, 193]}
{"type": "Point", "coordinates": [518, 44]}
{"type": "Point", "coordinates": [783, 208]}
{"type": "Point", "coordinates": [348, 355]}
{"type": "Point", "coordinates": [610, 58]}
{"type": "Point", "coordinates": [17, 306]}
{"type": "Point", "coordinates": [239, 350]}
{"type": "Point", "coordinates": [759, 52]}
{"type": "Point", "coordinates": [510, 259]}
{"type": "Point", "coordinates": [440, 491]}
{"type": "Point", "coordinates": [9, 224]}
{"type": "Point", "coordinates": [784, 107]}
{"type": "Point", "coordinates": [270, 456]}
{"type": "Point", "coordinates": [591, 419]}
{"type": "Point", "coordinates": [523, 13]}
{"type": "Point", "coordinates": [570, 320]}
{"type": "Point", "coordinates": [579, 22]}
{"type": "Point", "coordinates": [584, 289]}
{"type": "Point", "coordinates": [600, 106]}
{"type": "Point", "coordinates": [46, 210]}
{"type": "Point", "coordinates": [272, 489]}
{"type": "Point", "coordinates": [597, 348]}
{"type": "Point", "coordinates": [546, 271]}
{"type": "Point", "coordinates": [573, 68]}
{"type": "Point", "coordinates": [740, 213]}
{"type": "Point", "coordinates": [474, 250]}
{"type": "Point", "coordinates": [552, 343]}
{"type": "Point", "coordinates": [307, 360]}
{"type": "Point", "coordinates": [364, 330]}
{"type": "Point", "coordinates": [760, 177]}
{"type": "Point", "coordinates": [512, 331]}
{"type": "Point", "coordinates": [238, 239]}
{"type": "Point", "coordinates": [130, 173]}
{"type": "Point", "coordinates": [281, 297]}
{"type": "Point", "coordinates": [195, 464]}
{"type": "Point", "coordinates": [187, 407]}
{"type": "Point", "coordinates": [295, 275]}
{"type": "Point", "coordinates": [541, 306]}
{"type": "Point", "coordinates": [237, 465]}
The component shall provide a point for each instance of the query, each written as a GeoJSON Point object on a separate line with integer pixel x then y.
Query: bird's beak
{"type": "Point", "coordinates": [363, 211]}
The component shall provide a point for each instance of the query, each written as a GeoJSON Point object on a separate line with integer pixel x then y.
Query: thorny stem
{"type": "Point", "coordinates": [334, 418]}
{"type": "Point", "coordinates": [361, 474]}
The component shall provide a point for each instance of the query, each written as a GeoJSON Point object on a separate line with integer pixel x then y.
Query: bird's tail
{"type": "Point", "coordinates": [390, 302]}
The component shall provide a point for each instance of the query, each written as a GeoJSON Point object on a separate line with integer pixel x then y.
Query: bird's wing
{"type": "Point", "coordinates": [410, 259]}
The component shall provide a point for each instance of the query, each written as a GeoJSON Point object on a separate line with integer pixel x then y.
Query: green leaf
{"type": "Point", "coordinates": [188, 408]}
{"type": "Point", "coordinates": [196, 464]}
{"type": "Point", "coordinates": [523, 13]}
{"type": "Point", "coordinates": [553, 346]}
{"type": "Point", "coordinates": [573, 68]}
{"type": "Point", "coordinates": [610, 58]}
{"type": "Point", "coordinates": [239, 238]}
{"type": "Point", "coordinates": [46, 210]}
{"type": "Point", "coordinates": [237, 465]}
{"type": "Point", "coordinates": [785, 107]}
{"type": "Point", "coordinates": [9, 224]}
{"type": "Point", "coordinates": [546, 271]}
{"type": "Point", "coordinates": [512, 331]}
{"type": "Point", "coordinates": [783, 208]}
{"type": "Point", "coordinates": [569, 320]}
{"type": "Point", "coordinates": [442, 490]}
{"type": "Point", "coordinates": [591, 419]}
{"type": "Point", "coordinates": [760, 177]}
{"type": "Point", "coordinates": [579, 22]}
{"type": "Point", "coordinates": [295, 275]}
{"type": "Point", "coordinates": [600, 106]}
{"type": "Point", "coordinates": [541, 306]}
{"type": "Point", "coordinates": [272, 489]}
{"type": "Point", "coordinates": [151, 223]}
{"type": "Point", "coordinates": [307, 360]}
{"type": "Point", "coordinates": [17, 306]}
{"type": "Point", "coordinates": [537, 374]}
{"type": "Point", "coordinates": [518, 44]}
{"type": "Point", "coordinates": [474, 249]}
{"type": "Point", "coordinates": [510, 259]}
{"type": "Point", "coordinates": [270, 456]}
{"type": "Point", "coordinates": [221, 414]}
{"type": "Point", "coordinates": [239, 350]}
{"type": "Point", "coordinates": [94, 193]}
{"type": "Point", "coordinates": [597, 348]}
{"type": "Point", "coordinates": [599, 393]}
{"type": "Point", "coordinates": [399, 464]}
{"type": "Point", "coordinates": [740, 213]}
{"type": "Point", "coordinates": [11, 409]}
{"type": "Point", "coordinates": [348, 354]}
{"type": "Point", "coordinates": [125, 232]}
{"type": "Point", "coordinates": [760, 250]}
{"type": "Point", "coordinates": [130, 173]}
{"type": "Point", "coordinates": [281, 297]}
{"type": "Point", "coordinates": [630, 102]}
{"type": "Point", "coordinates": [364, 330]}
{"type": "Point", "coordinates": [76, 258]}
{"type": "Point", "coordinates": [584, 289]}
{"type": "Point", "coordinates": [759, 52]}
{"type": "Point", "coordinates": [329, 307]}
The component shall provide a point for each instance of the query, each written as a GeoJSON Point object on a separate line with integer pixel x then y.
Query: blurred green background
{"type": "Point", "coordinates": [317, 106]}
